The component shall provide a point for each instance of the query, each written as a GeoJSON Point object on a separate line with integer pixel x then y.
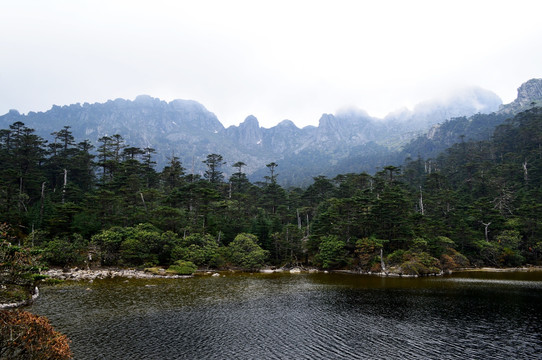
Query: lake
{"type": "Point", "coordinates": [469, 315]}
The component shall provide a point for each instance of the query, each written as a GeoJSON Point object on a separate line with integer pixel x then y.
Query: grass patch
{"type": "Point", "coordinates": [52, 281]}
{"type": "Point", "coordinates": [13, 293]}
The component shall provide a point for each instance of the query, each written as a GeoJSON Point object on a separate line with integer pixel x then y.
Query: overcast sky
{"type": "Point", "coordinates": [274, 59]}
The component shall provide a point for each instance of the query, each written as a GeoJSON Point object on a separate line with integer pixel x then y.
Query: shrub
{"type": "Point", "coordinates": [182, 268]}
{"type": "Point", "coordinates": [245, 252]}
{"type": "Point", "coordinates": [510, 257]}
{"type": "Point", "coordinates": [27, 336]}
{"type": "Point", "coordinates": [331, 253]}
{"type": "Point", "coordinates": [109, 242]}
{"type": "Point", "coordinates": [453, 259]}
{"type": "Point", "coordinates": [414, 263]}
{"type": "Point", "coordinates": [368, 254]}
{"type": "Point", "coordinates": [199, 249]}
{"type": "Point", "coordinates": [19, 266]}
{"type": "Point", "coordinates": [396, 257]}
{"type": "Point", "coordinates": [63, 251]}
{"type": "Point", "coordinates": [13, 293]}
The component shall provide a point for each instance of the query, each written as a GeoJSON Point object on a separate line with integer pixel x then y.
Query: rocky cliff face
{"type": "Point", "coordinates": [529, 95]}
{"type": "Point", "coordinates": [248, 134]}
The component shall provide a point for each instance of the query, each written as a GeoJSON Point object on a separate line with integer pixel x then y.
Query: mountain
{"type": "Point", "coordinates": [348, 141]}
{"type": "Point", "coordinates": [476, 127]}
{"type": "Point", "coordinates": [178, 128]}
{"type": "Point", "coordinates": [529, 95]}
{"type": "Point", "coordinates": [466, 102]}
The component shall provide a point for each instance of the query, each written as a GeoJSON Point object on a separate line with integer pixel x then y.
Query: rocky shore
{"type": "Point", "coordinates": [77, 274]}
{"type": "Point", "coordinates": [294, 270]}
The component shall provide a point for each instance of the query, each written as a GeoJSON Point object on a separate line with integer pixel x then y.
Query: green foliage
{"type": "Point", "coordinates": [395, 257]}
{"type": "Point", "coordinates": [452, 259]}
{"type": "Point", "coordinates": [136, 252]}
{"type": "Point", "coordinates": [182, 267]}
{"type": "Point", "coordinates": [65, 250]}
{"type": "Point", "coordinates": [479, 198]}
{"type": "Point", "coordinates": [368, 254]}
{"type": "Point", "coordinates": [245, 252]}
{"type": "Point", "coordinates": [13, 293]}
{"type": "Point", "coordinates": [199, 249]}
{"type": "Point", "coordinates": [288, 246]}
{"type": "Point", "coordinates": [19, 269]}
{"type": "Point", "coordinates": [502, 253]}
{"type": "Point", "coordinates": [331, 253]}
{"type": "Point", "coordinates": [441, 244]}
{"type": "Point", "coordinates": [109, 243]}
{"type": "Point", "coordinates": [19, 265]}
{"type": "Point", "coordinates": [489, 252]}
{"type": "Point", "coordinates": [414, 263]}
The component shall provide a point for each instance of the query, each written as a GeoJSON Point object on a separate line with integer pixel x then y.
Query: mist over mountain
{"type": "Point", "coordinates": [348, 141]}
{"type": "Point", "coordinates": [479, 126]}
{"type": "Point", "coordinates": [468, 101]}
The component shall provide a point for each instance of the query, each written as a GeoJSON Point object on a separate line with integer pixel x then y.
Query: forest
{"type": "Point", "coordinates": [478, 203]}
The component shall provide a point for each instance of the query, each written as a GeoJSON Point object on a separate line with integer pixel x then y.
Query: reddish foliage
{"type": "Point", "coordinates": [27, 336]}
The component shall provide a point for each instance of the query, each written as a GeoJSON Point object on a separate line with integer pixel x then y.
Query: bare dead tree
{"type": "Point", "coordinates": [421, 201]}
{"type": "Point", "coordinates": [486, 229]}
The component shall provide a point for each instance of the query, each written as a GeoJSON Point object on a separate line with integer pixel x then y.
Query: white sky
{"type": "Point", "coordinates": [274, 59]}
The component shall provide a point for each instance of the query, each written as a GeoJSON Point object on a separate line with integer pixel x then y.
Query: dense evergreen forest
{"type": "Point", "coordinates": [477, 203]}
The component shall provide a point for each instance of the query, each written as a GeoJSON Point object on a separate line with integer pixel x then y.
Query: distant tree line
{"type": "Point", "coordinates": [477, 203]}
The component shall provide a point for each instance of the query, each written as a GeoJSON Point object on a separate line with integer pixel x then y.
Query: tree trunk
{"type": "Point", "coordinates": [42, 201]}
{"type": "Point", "coordinates": [421, 202]}
{"type": "Point", "coordinates": [64, 186]}
{"type": "Point", "coordinates": [486, 230]}
{"type": "Point", "coordinates": [143, 200]}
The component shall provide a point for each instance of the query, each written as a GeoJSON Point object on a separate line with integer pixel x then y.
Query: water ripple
{"type": "Point", "coordinates": [297, 317]}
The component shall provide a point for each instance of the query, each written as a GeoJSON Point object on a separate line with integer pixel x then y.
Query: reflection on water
{"type": "Point", "coordinates": [307, 316]}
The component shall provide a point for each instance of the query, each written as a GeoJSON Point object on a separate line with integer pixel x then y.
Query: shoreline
{"type": "Point", "coordinates": [77, 274]}
{"type": "Point", "coordinates": [496, 270]}
{"type": "Point", "coordinates": [18, 304]}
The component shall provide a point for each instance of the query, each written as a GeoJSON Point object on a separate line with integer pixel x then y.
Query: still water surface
{"type": "Point", "coordinates": [301, 316]}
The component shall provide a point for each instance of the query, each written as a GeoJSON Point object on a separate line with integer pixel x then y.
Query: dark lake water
{"type": "Point", "coordinates": [301, 316]}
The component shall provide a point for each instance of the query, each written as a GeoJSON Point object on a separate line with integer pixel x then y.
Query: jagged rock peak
{"type": "Point", "coordinates": [145, 100]}
{"type": "Point", "coordinates": [188, 105]}
{"type": "Point", "coordinates": [177, 104]}
{"type": "Point", "coordinates": [529, 92]}
{"type": "Point", "coordinates": [326, 120]}
{"type": "Point", "coordinates": [250, 121]}
{"type": "Point", "coordinates": [287, 124]}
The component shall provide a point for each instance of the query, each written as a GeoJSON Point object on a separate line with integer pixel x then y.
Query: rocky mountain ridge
{"type": "Point", "coordinates": [529, 94]}
{"type": "Point", "coordinates": [186, 129]}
